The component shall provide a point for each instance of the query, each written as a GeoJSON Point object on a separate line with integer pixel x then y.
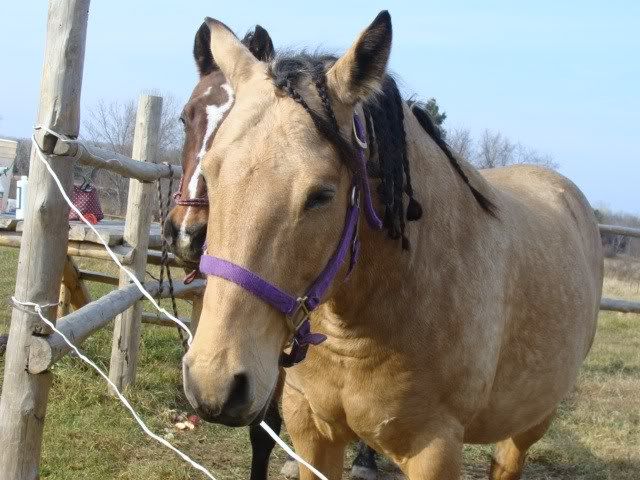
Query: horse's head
{"type": "Point", "coordinates": [186, 225]}
{"type": "Point", "coordinates": [280, 171]}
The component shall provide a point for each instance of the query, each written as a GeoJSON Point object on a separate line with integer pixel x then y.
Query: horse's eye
{"type": "Point", "coordinates": [319, 198]}
{"type": "Point", "coordinates": [182, 120]}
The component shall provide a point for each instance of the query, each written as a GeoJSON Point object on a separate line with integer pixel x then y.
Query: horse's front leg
{"type": "Point", "coordinates": [364, 465]}
{"type": "Point", "coordinates": [436, 456]}
{"type": "Point", "coordinates": [261, 442]}
{"type": "Point", "coordinates": [325, 454]}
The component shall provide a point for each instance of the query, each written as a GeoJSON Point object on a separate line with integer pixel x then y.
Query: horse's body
{"type": "Point", "coordinates": [473, 334]}
{"type": "Point", "coordinates": [480, 346]}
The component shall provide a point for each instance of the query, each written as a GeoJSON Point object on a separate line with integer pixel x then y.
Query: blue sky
{"type": "Point", "coordinates": [561, 77]}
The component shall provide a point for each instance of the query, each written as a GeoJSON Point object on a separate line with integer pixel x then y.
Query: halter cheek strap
{"type": "Point", "coordinates": [296, 309]}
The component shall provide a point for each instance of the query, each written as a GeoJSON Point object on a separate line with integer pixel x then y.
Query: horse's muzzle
{"type": "Point", "coordinates": [232, 406]}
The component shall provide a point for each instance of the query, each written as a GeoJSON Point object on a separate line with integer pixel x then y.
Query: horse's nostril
{"type": "Point", "coordinates": [170, 231]}
{"type": "Point", "coordinates": [198, 237]}
{"type": "Point", "coordinates": [238, 393]}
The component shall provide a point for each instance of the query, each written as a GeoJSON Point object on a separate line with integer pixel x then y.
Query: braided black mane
{"type": "Point", "coordinates": [384, 118]}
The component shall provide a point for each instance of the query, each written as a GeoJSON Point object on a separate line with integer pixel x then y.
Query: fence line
{"type": "Point", "coordinates": [619, 230]}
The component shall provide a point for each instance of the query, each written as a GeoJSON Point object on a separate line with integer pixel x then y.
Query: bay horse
{"type": "Point", "coordinates": [475, 296]}
{"type": "Point", "coordinates": [185, 227]}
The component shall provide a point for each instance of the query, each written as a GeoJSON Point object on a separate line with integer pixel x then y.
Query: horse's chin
{"type": "Point", "coordinates": [260, 417]}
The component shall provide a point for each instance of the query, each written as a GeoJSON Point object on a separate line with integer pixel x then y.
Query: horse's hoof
{"type": "Point", "coordinates": [363, 473]}
{"type": "Point", "coordinates": [290, 469]}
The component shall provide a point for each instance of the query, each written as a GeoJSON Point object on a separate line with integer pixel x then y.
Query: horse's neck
{"type": "Point", "coordinates": [387, 276]}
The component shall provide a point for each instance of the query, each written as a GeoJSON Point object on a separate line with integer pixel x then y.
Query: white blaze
{"type": "Point", "coordinates": [214, 116]}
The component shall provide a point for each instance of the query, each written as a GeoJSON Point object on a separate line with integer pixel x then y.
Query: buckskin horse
{"type": "Point", "coordinates": [474, 297]}
{"type": "Point", "coordinates": [185, 228]}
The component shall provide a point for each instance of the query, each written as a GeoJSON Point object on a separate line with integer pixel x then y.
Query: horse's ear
{"type": "Point", "coordinates": [234, 59]}
{"type": "Point", "coordinates": [259, 43]}
{"type": "Point", "coordinates": [202, 51]}
{"type": "Point", "coordinates": [359, 73]}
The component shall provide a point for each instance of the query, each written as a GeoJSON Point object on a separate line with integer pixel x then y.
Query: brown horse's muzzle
{"type": "Point", "coordinates": [185, 239]}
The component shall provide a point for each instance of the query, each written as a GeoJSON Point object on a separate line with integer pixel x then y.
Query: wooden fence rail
{"type": "Point", "coordinates": [91, 250]}
{"type": "Point", "coordinates": [81, 324]}
{"type": "Point", "coordinates": [618, 230]}
{"type": "Point", "coordinates": [107, 160]}
{"type": "Point", "coordinates": [619, 305]}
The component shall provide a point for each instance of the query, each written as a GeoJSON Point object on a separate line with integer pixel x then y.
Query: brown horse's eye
{"type": "Point", "coordinates": [319, 198]}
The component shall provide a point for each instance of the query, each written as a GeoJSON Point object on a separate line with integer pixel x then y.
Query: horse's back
{"type": "Point", "coordinates": [553, 283]}
{"type": "Point", "coordinates": [539, 200]}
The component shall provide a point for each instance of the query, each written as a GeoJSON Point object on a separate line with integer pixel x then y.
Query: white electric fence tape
{"type": "Point", "coordinates": [121, 397]}
{"type": "Point", "coordinates": [148, 296]}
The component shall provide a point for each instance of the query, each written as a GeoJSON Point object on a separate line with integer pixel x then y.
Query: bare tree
{"type": "Point", "coordinates": [494, 150]}
{"type": "Point", "coordinates": [461, 143]}
{"type": "Point", "coordinates": [111, 126]}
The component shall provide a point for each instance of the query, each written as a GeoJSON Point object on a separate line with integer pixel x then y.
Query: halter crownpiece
{"type": "Point", "coordinates": [297, 309]}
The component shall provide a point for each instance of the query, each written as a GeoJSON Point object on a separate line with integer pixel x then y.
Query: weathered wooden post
{"type": "Point", "coordinates": [44, 242]}
{"type": "Point", "coordinates": [126, 332]}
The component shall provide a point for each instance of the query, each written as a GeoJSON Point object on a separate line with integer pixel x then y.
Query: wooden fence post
{"type": "Point", "coordinates": [126, 331]}
{"type": "Point", "coordinates": [44, 241]}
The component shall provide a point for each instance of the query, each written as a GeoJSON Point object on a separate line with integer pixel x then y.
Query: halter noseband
{"type": "Point", "coordinates": [189, 202]}
{"type": "Point", "coordinates": [296, 309]}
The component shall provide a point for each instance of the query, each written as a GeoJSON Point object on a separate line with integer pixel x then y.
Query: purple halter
{"type": "Point", "coordinates": [296, 309]}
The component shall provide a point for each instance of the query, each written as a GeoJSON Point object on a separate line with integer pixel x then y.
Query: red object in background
{"type": "Point", "coordinates": [91, 218]}
{"type": "Point", "coordinates": [85, 198]}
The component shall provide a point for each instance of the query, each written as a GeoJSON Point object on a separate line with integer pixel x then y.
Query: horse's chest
{"type": "Point", "coordinates": [355, 394]}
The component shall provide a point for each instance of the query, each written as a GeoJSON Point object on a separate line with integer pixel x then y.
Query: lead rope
{"type": "Point", "coordinates": [163, 208]}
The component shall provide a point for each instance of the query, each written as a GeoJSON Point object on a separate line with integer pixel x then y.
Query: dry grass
{"type": "Point", "coordinates": [88, 435]}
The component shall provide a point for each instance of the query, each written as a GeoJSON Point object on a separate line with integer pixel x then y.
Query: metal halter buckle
{"type": "Point", "coordinates": [361, 143]}
{"type": "Point", "coordinates": [355, 198]}
{"type": "Point", "coordinates": [302, 306]}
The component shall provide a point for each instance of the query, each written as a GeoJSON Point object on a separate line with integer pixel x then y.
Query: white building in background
{"type": "Point", "coordinates": [8, 150]}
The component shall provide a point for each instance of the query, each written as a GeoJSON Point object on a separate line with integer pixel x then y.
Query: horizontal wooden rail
{"type": "Point", "coordinates": [102, 158]}
{"type": "Point", "coordinates": [79, 325]}
{"type": "Point", "coordinates": [100, 277]}
{"type": "Point", "coordinates": [617, 230]}
{"type": "Point", "coordinates": [97, 251]}
{"type": "Point", "coordinates": [162, 320]}
{"type": "Point", "coordinates": [619, 305]}
{"type": "Point", "coordinates": [74, 248]}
